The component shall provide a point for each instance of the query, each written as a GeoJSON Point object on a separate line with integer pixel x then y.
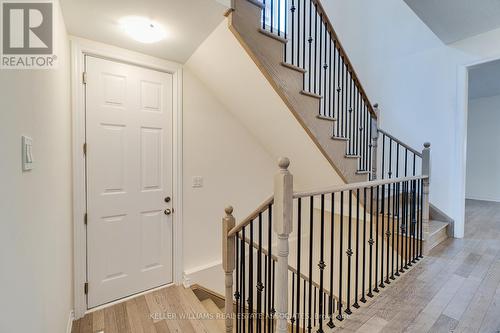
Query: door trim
{"type": "Point", "coordinates": [79, 49]}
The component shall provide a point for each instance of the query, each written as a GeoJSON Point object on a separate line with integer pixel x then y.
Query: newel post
{"type": "Point", "coordinates": [283, 208]}
{"type": "Point", "coordinates": [228, 264]}
{"type": "Point", "coordinates": [426, 171]}
{"type": "Point", "coordinates": [374, 142]}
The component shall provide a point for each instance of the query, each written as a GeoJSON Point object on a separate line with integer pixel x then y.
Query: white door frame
{"type": "Point", "coordinates": [461, 139]}
{"type": "Point", "coordinates": [79, 49]}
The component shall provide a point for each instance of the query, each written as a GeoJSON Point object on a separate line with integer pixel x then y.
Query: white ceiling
{"type": "Point", "coordinates": [188, 22]}
{"type": "Point", "coordinates": [453, 20]}
{"type": "Point", "coordinates": [484, 80]}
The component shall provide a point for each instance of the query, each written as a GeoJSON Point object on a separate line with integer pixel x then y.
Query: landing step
{"type": "Point", "coordinates": [438, 233]}
{"type": "Point", "coordinates": [326, 118]}
{"type": "Point", "coordinates": [273, 35]}
{"type": "Point", "coordinates": [310, 94]}
{"type": "Point", "coordinates": [295, 68]}
{"type": "Point", "coordinates": [352, 156]}
{"type": "Point", "coordinates": [363, 172]}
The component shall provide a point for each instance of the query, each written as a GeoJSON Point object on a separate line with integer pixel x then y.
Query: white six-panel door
{"type": "Point", "coordinates": [129, 177]}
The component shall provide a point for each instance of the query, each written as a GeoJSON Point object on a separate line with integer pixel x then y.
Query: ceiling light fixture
{"type": "Point", "coordinates": [142, 29]}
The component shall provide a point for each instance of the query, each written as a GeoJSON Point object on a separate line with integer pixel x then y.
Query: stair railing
{"type": "Point", "coordinates": [304, 260]}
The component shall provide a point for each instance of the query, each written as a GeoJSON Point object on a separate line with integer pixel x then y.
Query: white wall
{"type": "Point", "coordinates": [415, 79]}
{"type": "Point", "coordinates": [483, 149]}
{"type": "Point", "coordinates": [236, 170]}
{"type": "Point", "coordinates": [36, 226]}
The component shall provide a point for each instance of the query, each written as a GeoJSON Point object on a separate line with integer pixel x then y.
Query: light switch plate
{"type": "Point", "coordinates": [27, 152]}
{"type": "Point", "coordinates": [197, 182]}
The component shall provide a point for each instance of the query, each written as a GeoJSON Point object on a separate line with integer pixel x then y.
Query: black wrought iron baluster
{"type": "Point", "coordinates": [363, 286]}
{"type": "Point", "coordinates": [315, 46]}
{"type": "Point", "coordinates": [377, 240]}
{"type": "Point", "coordinates": [299, 248]}
{"type": "Point", "coordinates": [321, 264]}
{"type": "Point", "coordinates": [382, 235]}
{"type": "Point", "coordinates": [383, 156]}
{"type": "Point", "coordinates": [349, 253]}
{"type": "Point", "coordinates": [421, 218]}
{"type": "Point", "coordinates": [356, 279]}
{"type": "Point", "coordinates": [331, 303]}
{"type": "Point", "coordinates": [403, 225]}
{"type": "Point", "coordinates": [341, 255]}
{"type": "Point", "coordinates": [238, 282]}
{"type": "Point", "coordinates": [298, 34]}
{"type": "Point", "coordinates": [304, 308]}
{"type": "Point", "coordinates": [345, 100]}
{"type": "Point", "coordinates": [414, 219]}
{"type": "Point", "coordinates": [244, 309]}
{"type": "Point", "coordinates": [270, 281]}
{"type": "Point", "coordinates": [320, 81]}
{"type": "Point", "coordinates": [388, 233]}
{"type": "Point", "coordinates": [293, 318]}
{"type": "Point", "coordinates": [250, 279]}
{"type": "Point", "coordinates": [304, 39]}
{"type": "Point", "coordinates": [310, 40]}
{"type": "Point", "coordinates": [371, 242]}
{"type": "Point", "coordinates": [272, 15]}
{"type": "Point", "coordinates": [260, 285]}
{"type": "Point", "coordinates": [264, 14]}
{"type": "Point", "coordinates": [266, 310]}
{"type": "Point", "coordinates": [394, 234]}
{"type": "Point", "coordinates": [338, 90]}
{"type": "Point", "coordinates": [330, 94]}
{"type": "Point", "coordinates": [311, 249]}
{"type": "Point", "coordinates": [292, 36]}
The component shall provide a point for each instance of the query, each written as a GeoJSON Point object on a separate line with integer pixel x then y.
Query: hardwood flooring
{"type": "Point", "coordinates": [456, 288]}
{"type": "Point", "coordinates": [169, 310]}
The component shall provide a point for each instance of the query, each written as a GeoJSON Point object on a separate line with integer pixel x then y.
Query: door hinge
{"type": "Point", "coordinates": [85, 148]}
{"type": "Point", "coordinates": [85, 218]}
{"type": "Point", "coordinates": [84, 77]}
{"type": "Point", "coordinates": [86, 288]}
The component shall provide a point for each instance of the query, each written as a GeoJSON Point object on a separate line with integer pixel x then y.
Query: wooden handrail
{"type": "Point", "coordinates": [414, 151]}
{"type": "Point", "coordinates": [354, 186]}
{"type": "Point", "coordinates": [251, 216]}
{"type": "Point", "coordinates": [343, 53]}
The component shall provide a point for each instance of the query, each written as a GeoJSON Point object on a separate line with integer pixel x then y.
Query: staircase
{"type": "Point", "coordinates": [306, 260]}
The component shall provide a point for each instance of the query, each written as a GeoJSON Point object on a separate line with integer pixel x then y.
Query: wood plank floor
{"type": "Point", "coordinates": [456, 288]}
{"type": "Point", "coordinates": [148, 314]}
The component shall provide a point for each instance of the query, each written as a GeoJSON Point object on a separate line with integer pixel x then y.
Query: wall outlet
{"type": "Point", "coordinates": [197, 182]}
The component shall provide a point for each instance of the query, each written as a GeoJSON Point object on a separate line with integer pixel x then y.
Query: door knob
{"type": "Point", "coordinates": [168, 211]}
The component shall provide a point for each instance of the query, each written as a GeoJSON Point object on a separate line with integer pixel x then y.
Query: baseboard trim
{"type": "Point", "coordinates": [210, 276]}
{"type": "Point", "coordinates": [482, 198]}
{"type": "Point", "coordinates": [69, 325]}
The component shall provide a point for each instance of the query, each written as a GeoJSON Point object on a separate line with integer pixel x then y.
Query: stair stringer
{"type": "Point", "coordinates": [267, 53]}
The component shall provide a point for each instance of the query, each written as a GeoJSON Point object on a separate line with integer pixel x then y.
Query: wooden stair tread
{"type": "Point", "coordinates": [198, 307]}
{"type": "Point", "coordinates": [310, 94]}
{"type": "Point", "coordinates": [293, 67]}
{"type": "Point", "coordinates": [273, 35]}
{"type": "Point", "coordinates": [212, 308]}
{"type": "Point", "coordinates": [436, 226]}
{"type": "Point", "coordinates": [326, 118]}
